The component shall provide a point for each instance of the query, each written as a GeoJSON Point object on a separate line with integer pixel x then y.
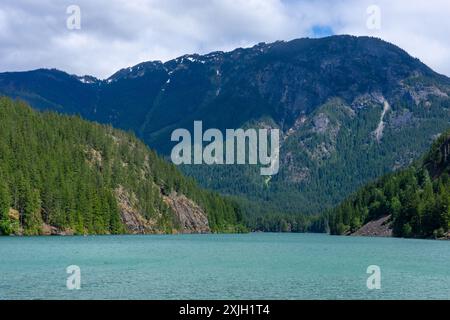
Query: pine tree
{"type": "Point", "coordinates": [32, 218]}
{"type": "Point", "coordinates": [5, 201]}
{"type": "Point", "coordinates": [6, 226]}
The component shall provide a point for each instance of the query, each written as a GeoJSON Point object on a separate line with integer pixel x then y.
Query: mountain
{"type": "Point", "coordinates": [414, 202]}
{"type": "Point", "coordinates": [64, 175]}
{"type": "Point", "coordinates": [350, 109]}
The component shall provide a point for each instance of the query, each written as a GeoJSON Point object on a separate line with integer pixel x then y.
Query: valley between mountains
{"type": "Point", "coordinates": [351, 110]}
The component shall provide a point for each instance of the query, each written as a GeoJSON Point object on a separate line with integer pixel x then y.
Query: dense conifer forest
{"type": "Point", "coordinates": [64, 172]}
{"type": "Point", "coordinates": [417, 199]}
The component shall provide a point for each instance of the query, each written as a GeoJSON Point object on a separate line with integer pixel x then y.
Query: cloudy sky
{"type": "Point", "coordinates": [118, 33]}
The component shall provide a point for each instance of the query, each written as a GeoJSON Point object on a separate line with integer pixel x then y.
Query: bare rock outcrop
{"type": "Point", "coordinates": [191, 217]}
{"type": "Point", "coordinates": [381, 227]}
{"type": "Point", "coordinates": [130, 215]}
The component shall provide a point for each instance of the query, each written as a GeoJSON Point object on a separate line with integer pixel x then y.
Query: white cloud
{"type": "Point", "coordinates": [119, 33]}
{"type": "Point", "coordinates": [419, 27]}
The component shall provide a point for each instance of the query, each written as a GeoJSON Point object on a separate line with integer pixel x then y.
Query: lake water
{"type": "Point", "coordinates": [247, 266]}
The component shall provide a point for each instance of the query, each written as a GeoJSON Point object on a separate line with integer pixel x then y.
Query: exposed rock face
{"type": "Point", "coordinates": [48, 230]}
{"type": "Point", "coordinates": [131, 217]}
{"type": "Point", "coordinates": [377, 228]}
{"type": "Point", "coordinates": [191, 217]}
{"type": "Point", "coordinates": [321, 122]}
{"type": "Point", "coordinates": [94, 157]}
{"type": "Point", "coordinates": [379, 130]}
{"type": "Point", "coordinates": [13, 214]}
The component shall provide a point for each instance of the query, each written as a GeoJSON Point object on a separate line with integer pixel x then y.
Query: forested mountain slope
{"type": "Point", "coordinates": [64, 175]}
{"type": "Point", "coordinates": [350, 109]}
{"type": "Point", "coordinates": [415, 201]}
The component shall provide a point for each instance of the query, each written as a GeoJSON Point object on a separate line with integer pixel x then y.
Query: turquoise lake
{"type": "Point", "coordinates": [245, 266]}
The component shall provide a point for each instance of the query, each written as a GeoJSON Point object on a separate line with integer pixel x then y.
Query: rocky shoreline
{"type": "Point", "coordinates": [381, 227]}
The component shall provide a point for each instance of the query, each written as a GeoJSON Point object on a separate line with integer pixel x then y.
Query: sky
{"type": "Point", "coordinates": [108, 35]}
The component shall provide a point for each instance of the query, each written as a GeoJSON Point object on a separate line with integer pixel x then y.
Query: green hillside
{"type": "Point", "coordinates": [64, 175]}
{"type": "Point", "coordinates": [417, 199]}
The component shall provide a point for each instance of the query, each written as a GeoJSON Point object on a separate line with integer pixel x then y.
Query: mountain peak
{"type": "Point", "coordinates": [349, 47]}
{"type": "Point", "coordinates": [136, 71]}
{"type": "Point", "coordinates": [88, 79]}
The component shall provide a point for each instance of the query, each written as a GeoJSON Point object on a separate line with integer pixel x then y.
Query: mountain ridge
{"type": "Point", "coordinates": [326, 95]}
{"type": "Point", "coordinates": [262, 46]}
